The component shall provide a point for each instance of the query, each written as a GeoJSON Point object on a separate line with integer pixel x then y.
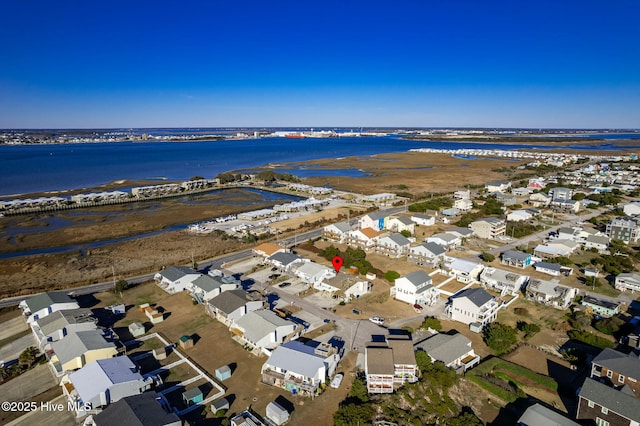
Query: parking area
{"type": "Point", "coordinates": [322, 300]}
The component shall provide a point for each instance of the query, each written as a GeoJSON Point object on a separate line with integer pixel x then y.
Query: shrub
{"type": "Point", "coordinates": [499, 337]}
{"type": "Point", "coordinates": [487, 257]}
{"type": "Point", "coordinates": [590, 339]}
{"type": "Point", "coordinates": [431, 322]}
{"type": "Point", "coordinates": [391, 276]}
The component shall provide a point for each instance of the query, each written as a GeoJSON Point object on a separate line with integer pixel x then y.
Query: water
{"type": "Point", "coordinates": [39, 168]}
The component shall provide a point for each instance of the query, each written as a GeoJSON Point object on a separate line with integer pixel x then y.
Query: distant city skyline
{"type": "Point", "coordinates": [490, 64]}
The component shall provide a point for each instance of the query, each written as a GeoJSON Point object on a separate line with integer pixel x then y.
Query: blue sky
{"type": "Point", "coordinates": [569, 63]}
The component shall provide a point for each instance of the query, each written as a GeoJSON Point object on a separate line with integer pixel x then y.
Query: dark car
{"type": "Point", "coordinates": [274, 269]}
{"type": "Point", "coordinates": [283, 285]}
{"type": "Point", "coordinates": [273, 276]}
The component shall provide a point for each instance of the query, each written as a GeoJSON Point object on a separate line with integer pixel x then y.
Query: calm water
{"type": "Point", "coordinates": [36, 168]}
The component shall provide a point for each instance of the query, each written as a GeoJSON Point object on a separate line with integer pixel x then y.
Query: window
{"type": "Point", "coordinates": [591, 404]}
{"type": "Point", "coordinates": [609, 373]}
{"type": "Point", "coordinates": [605, 410]}
{"type": "Point", "coordinates": [601, 422]}
{"type": "Point", "coordinates": [621, 378]}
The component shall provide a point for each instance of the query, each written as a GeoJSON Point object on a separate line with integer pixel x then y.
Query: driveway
{"type": "Point", "coordinates": [28, 385]}
{"type": "Point", "coordinates": [12, 327]}
{"type": "Point", "coordinates": [14, 349]}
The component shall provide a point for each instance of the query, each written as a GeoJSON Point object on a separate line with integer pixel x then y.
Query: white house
{"type": "Point", "coordinates": [464, 270]}
{"type": "Point", "coordinates": [506, 282]}
{"type": "Point", "coordinates": [337, 232]}
{"type": "Point", "coordinates": [423, 219]}
{"type": "Point", "coordinates": [427, 254]}
{"type": "Point", "coordinates": [394, 245]}
{"type": "Point", "coordinates": [313, 273]}
{"type": "Point", "coordinates": [454, 351]}
{"type": "Point", "coordinates": [365, 238]}
{"type": "Point", "coordinates": [554, 269]}
{"type": "Point", "coordinates": [229, 306]}
{"type": "Point", "coordinates": [445, 239]}
{"type": "Point", "coordinates": [400, 223]}
{"type": "Point", "coordinates": [598, 242]}
{"type": "Point", "coordinates": [632, 208]}
{"type": "Point", "coordinates": [58, 324]}
{"type": "Point", "coordinates": [285, 260]}
{"type": "Point", "coordinates": [463, 204]}
{"type": "Point", "coordinates": [550, 293]}
{"type": "Point", "coordinates": [299, 368]}
{"type": "Point", "coordinates": [497, 186]}
{"type": "Point", "coordinates": [375, 220]}
{"type": "Point", "coordinates": [263, 329]}
{"type": "Point", "coordinates": [175, 279]}
{"type": "Point", "coordinates": [628, 281]}
{"type": "Point", "coordinates": [103, 382]}
{"type": "Point", "coordinates": [205, 287]}
{"type": "Point", "coordinates": [539, 199]}
{"type": "Point", "coordinates": [416, 287]}
{"type": "Point", "coordinates": [43, 304]}
{"type": "Point", "coordinates": [519, 216]}
{"type": "Point", "coordinates": [473, 305]}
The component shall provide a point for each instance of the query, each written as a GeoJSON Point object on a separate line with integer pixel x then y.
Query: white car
{"type": "Point", "coordinates": [337, 380]}
{"type": "Point", "coordinates": [377, 320]}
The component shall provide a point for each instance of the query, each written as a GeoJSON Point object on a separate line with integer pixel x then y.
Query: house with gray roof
{"type": "Point", "coordinates": [415, 287]}
{"type": "Point", "coordinates": [205, 287]}
{"type": "Point", "coordinates": [516, 259]}
{"type": "Point", "coordinates": [464, 270]}
{"type": "Point", "coordinates": [604, 405]}
{"type": "Point", "coordinates": [445, 239]}
{"type": "Point", "coordinates": [628, 281]}
{"type": "Point", "coordinates": [313, 273]}
{"type": "Point", "coordinates": [505, 282]}
{"type": "Point", "coordinates": [263, 329]}
{"type": "Point", "coordinates": [426, 254]}
{"type": "Point", "coordinates": [136, 410]}
{"type": "Point", "coordinates": [375, 220]}
{"type": "Point", "coordinates": [454, 350]}
{"type": "Point", "coordinates": [284, 260]}
{"type": "Point", "coordinates": [176, 279]}
{"type": "Point", "coordinates": [58, 324]}
{"type": "Point", "coordinates": [550, 293]}
{"type": "Point", "coordinates": [473, 306]}
{"type": "Point", "coordinates": [488, 228]}
{"type": "Point", "coordinates": [390, 364]}
{"type": "Point", "coordinates": [299, 368]}
{"type": "Point", "coordinates": [423, 219]}
{"type": "Point", "coordinates": [78, 349]}
{"type": "Point", "coordinates": [617, 369]}
{"type": "Point", "coordinates": [230, 305]}
{"type": "Point", "coordinates": [554, 269]}
{"type": "Point", "coordinates": [394, 245]}
{"type": "Point", "coordinates": [337, 232]}
{"type": "Point", "coordinates": [43, 304]}
{"type": "Point", "coordinates": [102, 382]}
{"type": "Point", "coordinates": [400, 223]}
{"type": "Point", "coordinates": [539, 415]}
{"type": "Point", "coordinates": [598, 242]}
{"type": "Point", "coordinates": [600, 307]}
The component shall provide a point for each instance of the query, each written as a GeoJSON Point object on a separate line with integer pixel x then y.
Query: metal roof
{"type": "Point", "coordinates": [614, 400]}
{"type": "Point", "coordinates": [444, 347]}
{"type": "Point", "coordinates": [477, 296]}
{"type": "Point", "coordinates": [539, 415]}
{"type": "Point", "coordinates": [174, 273]}
{"type": "Point", "coordinates": [296, 357]}
{"type": "Point", "coordinates": [98, 376]}
{"type": "Point", "coordinates": [136, 410]}
{"type": "Point", "coordinates": [44, 300]}
{"type": "Point", "coordinates": [78, 343]}
{"type": "Point", "coordinates": [229, 301]}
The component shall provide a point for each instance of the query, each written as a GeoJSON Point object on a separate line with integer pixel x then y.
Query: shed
{"type": "Point", "coordinates": [221, 404]}
{"type": "Point", "coordinates": [192, 396]}
{"type": "Point", "coordinates": [223, 373]}
{"type": "Point", "coordinates": [277, 414]}
{"type": "Point", "coordinates": [137, 329]}
{"type": "Point", "coordinates": [143, 307]}
{"type": "Point", "coordinates": [118, 309]}
{"type": "Point", "coordinates": [476, 327]}
{"type": "Point", "coordinates": [162, 353]}
{"type": "Point", "coordinates": [186, 342]}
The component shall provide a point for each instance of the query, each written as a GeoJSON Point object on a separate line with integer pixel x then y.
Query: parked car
{"type": "Point", "coordinates": [377, 320]}
{"type": "Point", "coordinates": [417, 308]}
{"type": "Point", "coordinates": [335, 383]}
{"type": "Point", "coordinates": [356, 311]}
{"type": "Point", "coordinates": [283, 285]}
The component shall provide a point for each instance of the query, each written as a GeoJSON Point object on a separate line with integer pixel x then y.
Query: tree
{"type": "Point", "coordinates": [405, 233]}
{"type": "Point", "coordinates": [28, 356]}
{"type": "Point", "coordinates": [121, 286]}
{"type": "Point", "coordinates": [529, 329]}
{"type": "Point", "coordinates": [359, 391]}
{"type": "Point", "coordinates": [353, 414]}
{"type": "Point", "coordinates": [391, 276]}
{"type": "Point", "coordinates": [487, 257]}
{"type": "Point", "coordinates": [499, 337]}
{"type": "Point", "coordinates": [463, 419]}
{"type": "Point", "coordinates": [432, 323]}
{"type": "Point", "coordinates": [423, 361]}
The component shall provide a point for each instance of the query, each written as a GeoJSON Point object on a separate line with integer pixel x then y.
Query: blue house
{"type": "Point", "coordinates": [516, 258]}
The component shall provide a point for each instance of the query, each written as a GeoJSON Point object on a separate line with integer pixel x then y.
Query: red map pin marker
{"type": "Point", "coordinates": [337, 263]}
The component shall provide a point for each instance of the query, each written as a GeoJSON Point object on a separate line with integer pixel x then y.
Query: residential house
{"type": "Point", "coordinates": [567, 246]}
{"type": "Point", "coordinates": [445, 239]}
{"type": "Point", "coordinates": [416, 287]}
{"type": "Point", "coordinates": [43, 304]}
{"type": "Point", "coordinates": [394, 245]}
{"type": "Point", "coordinates": [58, 324]}
{"type": "Point", "coordinates": [544, 251]}
{"type": "Point", "coordinates": [519, 216]}
{"type": "Point", "coordinates": [346, 286]}
{"type": "Point", "coordinates": [505, 282]}
{"type": "Point", "coordinates": [175, 279]}
{"type": "Point", "coordinates": [537, 183]}
{"type": "Point", "coordinates": [263, 329]}
{"type": "Point", "coordinates": [506, 199]}
{"type": "Point", "coordinates": [521, 192]}
{"type": "Point", "coordinates": [463, 204]}
{"type": "Point", "coordinates": [299, 368]}
{"type": "Point", "coordinates": [247, 418]}
{"type": "Point", "coordinates": [454, 350]}
{"type": "Point", "coordinates": [205, 288]}
{"type": "Point", "coordinates": [473, 306]}
{"type": "Point", "coordinates": [381, 199]}
{"type": "Point", "coordinates": [598, 242]}
{"type": "Point", "coordinates": [550, 293]}
{"type": "Point", "coordinates": [265, 250]}
{"type": "Point", "coordinates": [450, 213]}
{"type": "Point", "coordinates": [516, 259]}
{"type": "Point", "coordinates": [565, 233]}
{"type": "Point", "coordinates": [229, 306]}
{"type": "Point", "coordinates": [462, 195]}
{"type": "Point", "coordinates": [560, 193]}
{"type": "Point", "coordinates": [365, 238]}
{"type": "Point", "coordinates": [423, 219]}
{"type": "Point", "coordinates": [553, 269]}
{"type": "Point", "coordinates": [628, 281]}
{"type": "Point", "coordinates": [617, 369]}
{"type": "Point", "coordinates": [605, 405]}
{"type": "Point", "coordinates": [390, 363]}
{"type": "Point", "coordinates": [488, 228]}
{"type": "Point", "coordinates": [139, 410]}
{"type": "Point", "coordinates": [78, 349]}
{"type": "Point", "coordinates": [464, 270]}
{"type": "Point", "coordinates": [497, 186]}
{"type": "Point", "coordinates": [600, 307]}
{"type": "Point", "coordinates": [427, 254]}
{"type": "Point", "coordinates": [461, 232]}
{"type": "Point", "coordinates": [632, 208]}
{"type": "Point", "coordinates": [624, 229]}
{"type": "Point", "coordinates": [102, 382]}
{"type": "Point", "coordinates": [539, 199]}
{"type": "Point", "coordinates": [375, 220]}
{"type": "Point", "coordinates": [539, 415]}
{"type": "Point", "coordinates": [566, 205]}
{"type": "Point", "coordinates": [337, 232]}
{"type": "Point", "coordinates": [284, 260]}
{"type": "Point", "coordinates": [400, 223]}
{"type": "Point", "coordinates": [313, 273]}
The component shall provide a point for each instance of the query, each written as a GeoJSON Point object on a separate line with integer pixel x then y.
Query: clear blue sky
{"type": "Point", "coordinates": [476, 63]}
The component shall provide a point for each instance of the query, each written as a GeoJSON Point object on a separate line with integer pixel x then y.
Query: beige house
{"type": "Point", "coordinates": [78, 349]}
{"type": "Point", "coordinates": [489, 228]}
